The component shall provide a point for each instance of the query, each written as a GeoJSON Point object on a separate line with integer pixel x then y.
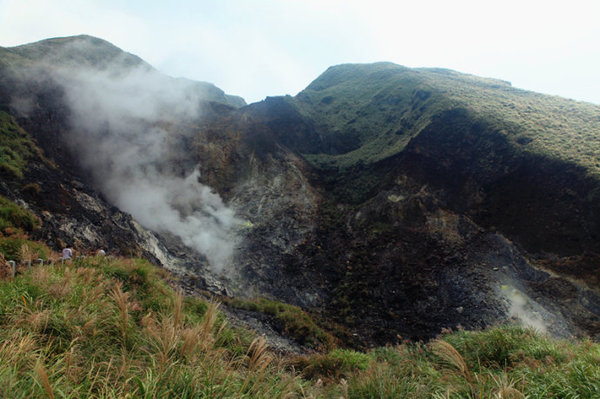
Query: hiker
{"type": "Point", "coordinates": [67, 253]}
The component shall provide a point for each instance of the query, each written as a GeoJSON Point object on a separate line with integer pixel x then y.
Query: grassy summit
{"type": "Point", "coordinates": [89, 54]}
{"type": "Point", "coordinates": [378, 108]}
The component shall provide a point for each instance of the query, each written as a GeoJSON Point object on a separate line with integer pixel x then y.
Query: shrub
{"type": "Point", "coordinates": [17, 246]}
{"type": "Point", "coordinates": [293, 321]}
{"type": "Point", "coordinates": [12, 215]}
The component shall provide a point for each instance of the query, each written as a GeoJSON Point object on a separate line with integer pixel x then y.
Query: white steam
{"type": "Point", "coordinates": [525, 310]}
{"type": "Point", "coordinates": [128, 123]}
{"type": "Point", "coordinates": [182, 207]}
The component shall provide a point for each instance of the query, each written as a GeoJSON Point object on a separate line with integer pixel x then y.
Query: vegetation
{"type": "Point", "coordinates": [100, 327]}
{"type": "Point", "coordinates": [293, 321]}
{"type": "Point", "coordinates": [16, 147]}
{"type": "Point", "coordinates": [15, 244]}
{"type": "Point", "coordinates": [504, 362]}
{"type": "Point", "coordinates": [12, 215]}
{"type": "Point", "coordinates": [112, 328]}
{"type": "Point", "coordinates": [337, 364]}
{"type": "Point", "coordinates": [381, 107]}
{"type": "Point", "coordinates": [93, 53]}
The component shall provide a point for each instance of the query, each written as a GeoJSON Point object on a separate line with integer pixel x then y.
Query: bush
{"type": "Point", "coordinates": [293, 321]}
{"type": "Point", "coordinates": [17, 246]}
{"type": "Point", "coordinates": [12, 215]}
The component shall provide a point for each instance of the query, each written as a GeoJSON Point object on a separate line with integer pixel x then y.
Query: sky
{"type": "Point", "coordinates": [259, 48]}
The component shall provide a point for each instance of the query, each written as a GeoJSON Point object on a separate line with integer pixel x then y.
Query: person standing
{"type": "Point", "coordinates": [67, 254]}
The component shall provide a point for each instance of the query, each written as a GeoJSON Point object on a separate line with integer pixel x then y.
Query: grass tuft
{"type": "Point", "coordinates": [42, 378]}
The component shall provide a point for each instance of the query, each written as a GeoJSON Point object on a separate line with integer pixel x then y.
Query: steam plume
{"type": "Point", "coordinates": [120, 122]}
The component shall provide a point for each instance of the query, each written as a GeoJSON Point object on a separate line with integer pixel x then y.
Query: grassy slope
{"type": "Point", "coordinates": [16, 148]}
{"type": "Point", "coordinates": [15, 225]}
{"type": "Point", "coordinates": [292, 320]}
{"type": "Point", "coordinates": [113, 328]}
{"type": "Point", "coordinates": [382, 106]}
{"type": "Point", "coordinates": [91, 53]}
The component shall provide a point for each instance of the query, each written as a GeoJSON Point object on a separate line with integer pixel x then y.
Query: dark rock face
{"type": "Point", "coordinates": [479, 172]}
{"type": "Point", "coordinates": [418, 252]}
{"type": "Point", "coordinates": [458, 227]}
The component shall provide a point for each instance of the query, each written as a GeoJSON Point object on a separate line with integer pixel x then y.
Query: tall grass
{"type": "Point", "coordinates": [112, 328]}
{"type": "Point", "coordinates": [115, 329]}
{"type": "Point", "coordinates": [503, 362]}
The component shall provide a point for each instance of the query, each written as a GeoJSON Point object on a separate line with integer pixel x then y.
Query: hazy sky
{"type": "Point", "coordinates": [256, 48]}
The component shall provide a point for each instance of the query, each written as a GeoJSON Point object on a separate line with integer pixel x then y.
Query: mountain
{"type": "Point", "coordinates": [391, 201]}
{"type": "Point", "coordinates": [415, 199]}
{"type": "Point", "coordinates": [94, 54]}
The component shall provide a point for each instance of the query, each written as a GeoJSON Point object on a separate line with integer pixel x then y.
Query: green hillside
{"type": "Point", "coordinates": [81, 50]}
{"type": "Point", "coordinates": [88, 53]}
{"type": "Point", "coordinates": [112, 328]}
{"type": "Point", "coordinates": [378, 108]}
{"type": "Point", "coordinates": [16, 148]}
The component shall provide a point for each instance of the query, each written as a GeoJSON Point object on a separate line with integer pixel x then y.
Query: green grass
{"type": "Point", "coordinates": [337, 364]}
{"type": "Point", "coordinates": [503, 362]}
{"type": "Point", "coordinates": [293, 321]}
{"type": "Point", "coordinates": [16, 148]}
{"type": "Point", "coordinates": [113, 328]}
{"type": "Point", "coordinates": [18, 247]}
{"type": "Point", "coordinates": [15, 223]}
{"type": "Point", "coordinates": [12, 215]}
{"type": "Point", "coordinates": [381, 107]}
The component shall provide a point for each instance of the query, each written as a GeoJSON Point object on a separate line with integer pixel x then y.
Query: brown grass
{"type": "Point", "coordinates": [121, 299]}
{"type": "Point", "coordinates": [451, 357]}
{"type": "Point", "coordinates": [42, 378]}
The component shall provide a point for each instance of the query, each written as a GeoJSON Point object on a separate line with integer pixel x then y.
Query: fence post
{"type": "Point", "coordinates": [13, 267]}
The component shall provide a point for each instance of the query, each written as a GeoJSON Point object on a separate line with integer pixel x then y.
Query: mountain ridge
{"type": "Point", "coordinates": [394, 201]}
{"type": "Point", "coordinates": [97, 54]}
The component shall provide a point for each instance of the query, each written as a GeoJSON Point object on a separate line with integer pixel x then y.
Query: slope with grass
{"type": "Point", "coordinates": [375, 109]}
{"type": "Point", "coordinates": [37, 60]}
{"type": "Point", "coordinates": [49, 184]}
{"type": "Point", "coordinates": [112, 328]}
{"type": "Point", "coordinates": [100, 327]}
